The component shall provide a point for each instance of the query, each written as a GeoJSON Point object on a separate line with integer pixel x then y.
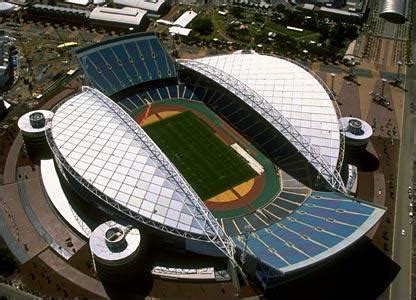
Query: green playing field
{"type": "Point", "coordinates": [207, 163]}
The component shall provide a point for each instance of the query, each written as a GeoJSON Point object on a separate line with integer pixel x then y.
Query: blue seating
{"type": "Point", "coordinates": [181, 90]}
{"type": "Point", "coordinates": [138, 63]}
{"type": "Point", "coordinates": [127, 63]}
{"type": "Point", "coordinates": [285, 204]}
{"type": "Point", "coordinates": [303, 244]}
{"type": "Point", "coordinates": [297, 198]}
{"type": "Point", "coordinates": [116, 64]}
{"type": "Point", "coordinates": [154, 95]}
{"type": "Point", "coordinates": [277, 211]}
{"type": "Point", "coordinates": [106, 71]}
{"type": "Point", "coordinates": [199, 93]}
{"type": "Point", "coordinates": [254, 220]}
{"type": "Point", "coordinates": [322, 237]}
{"type": "Point", "coordinates": [127, 105]}
{"type": "Point", "coordinates": [333, 227]}
{"type": "Point", "coordinates": [163, 92]}
{"type": "Point", "coordinates": [173, 91]}
{"type": "Point", "coordinates": [165, 65]}
{"type": "Point", "coordinates": [229, 227]}
{"type": "Point", "coordinates": [148, 58]}
{"type": "Point", "coordinates": [188, 93]}
{"type": "Point", "coordinates": [343, 217]}
{"type": "Point", "coordinates": [136, 100]}
{"type": "Point", "coordinates": [264, 253]}
{"type": "Point", "coordinates": [109, 57]}
{"type": "Point", "coordinates": [96, 79]}
{"type": "Point", "coordinates": [332, 201]}
{"type": "Point", "coordinates": [285, 250]}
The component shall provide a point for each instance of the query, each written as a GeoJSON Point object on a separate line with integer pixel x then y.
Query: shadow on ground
{"type": "Point", "coordinates": [361, 272]}
{"type": "Point", "coordinates": [365, 162]}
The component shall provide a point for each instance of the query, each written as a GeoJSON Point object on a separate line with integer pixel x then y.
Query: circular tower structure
{"type": "Point", "coordinates": [357, 133]}
{"type": "Point", "coordinates": [114, 250]}
{"type": "Point", "coordinates": [32, 126]}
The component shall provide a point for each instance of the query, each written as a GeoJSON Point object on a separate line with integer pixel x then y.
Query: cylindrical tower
{"type": "Point", "coordinates": [32, 127]}
{"type": "Point", "coordinates": [120, 260]}
{"type": "Point", "coordinates": [114, 250]}
{"type": "Point", "coordinates": [357, 133]}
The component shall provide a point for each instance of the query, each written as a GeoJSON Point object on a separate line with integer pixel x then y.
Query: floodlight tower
{"type": "Point", "coordinates": [172, 43]}
{"type": "Point", "coordinates": [398, 80]}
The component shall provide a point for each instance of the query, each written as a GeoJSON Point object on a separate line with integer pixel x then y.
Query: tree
{"type": "Point", "coordinates": [203, 26]}
{"type": "Point", "coordinates": [236, 12]}
{"type": "Point", "coordinates": [7, 263]}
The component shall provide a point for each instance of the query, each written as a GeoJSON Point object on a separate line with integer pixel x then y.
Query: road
{"type": "Point", "coordinates": [401, 287]}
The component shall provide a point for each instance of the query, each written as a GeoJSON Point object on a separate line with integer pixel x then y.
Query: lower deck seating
{"type": "Point", "coordinates": [164, 92]}
{"type": "Point", "coordinates": [321, 223]}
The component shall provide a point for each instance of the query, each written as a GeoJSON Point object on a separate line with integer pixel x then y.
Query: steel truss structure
{"type": "Point", "coordinates": [213, 232]}
{"type": "Point", "coordinates": [267, 111]}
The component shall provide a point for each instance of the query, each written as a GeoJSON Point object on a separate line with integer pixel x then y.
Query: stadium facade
{"type": "Point", "coordinates": [286, 112]}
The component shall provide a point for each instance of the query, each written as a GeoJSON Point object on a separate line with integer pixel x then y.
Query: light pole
{"type": "Point", "coordinates": [399, 66]}
{"type": "Point", "coordinates": [246, 234]}
{"type": "Point", "coordinates": [332, 83]}
{"type": "Point", "coordinates": [383, 84]}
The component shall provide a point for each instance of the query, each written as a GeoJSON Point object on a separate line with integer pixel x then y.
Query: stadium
{"type": "Point", "coordinates": [237, 159]}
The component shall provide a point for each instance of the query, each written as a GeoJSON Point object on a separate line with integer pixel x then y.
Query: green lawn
{"type": "Point", "coordinates": [209, 165]}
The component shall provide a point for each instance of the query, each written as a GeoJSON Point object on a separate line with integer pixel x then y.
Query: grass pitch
{"type": "Point", "coordinates": [210, 166]}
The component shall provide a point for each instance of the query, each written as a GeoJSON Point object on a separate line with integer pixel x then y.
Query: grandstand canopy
{"type": "Point", "coordinates": [291, 90]}
{"type": "Point", "coordinates": [95, 140]}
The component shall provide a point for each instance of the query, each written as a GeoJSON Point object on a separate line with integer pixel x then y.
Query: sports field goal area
{"type": "Point", "coordinates": [207, 163]}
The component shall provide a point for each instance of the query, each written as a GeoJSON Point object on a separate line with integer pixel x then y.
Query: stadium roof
{"type": "Point", "coordinates": [291, 90]}
{"type": "Point", "coordinates": [110, 154]}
